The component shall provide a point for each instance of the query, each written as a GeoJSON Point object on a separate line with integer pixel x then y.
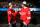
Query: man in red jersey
{"type": "Point", "coordinates": [25, 15]}
{"type": "Point", "coordinates": [11, 16]}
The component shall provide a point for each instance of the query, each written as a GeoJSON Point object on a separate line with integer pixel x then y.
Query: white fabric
{"type": "Point", "coordinates": [10, 25]}
{"type": "Point", "coordinates": [28, 17]}
{"type": "Point", "coordinates": [24, 23]}
{"type": "Point", "coordinates": [24, 2]}
{"type": "Point", "coordinates": [9, 12]}
{"type": "Point", "coordinates": [10, 4]}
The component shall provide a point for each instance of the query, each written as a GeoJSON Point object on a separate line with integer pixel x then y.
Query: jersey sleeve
{"type": "Point", "coordinates": [9, 16]}
{"type": "Point", "coordinates": [28, 16]}
{"type": "Point", "coordinates": [20, 12]}
{"type": "Point", "coordinates": [9, 19]}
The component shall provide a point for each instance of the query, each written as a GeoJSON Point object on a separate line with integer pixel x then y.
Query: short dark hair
{"type": "Point", "coordinates": [25, 4]}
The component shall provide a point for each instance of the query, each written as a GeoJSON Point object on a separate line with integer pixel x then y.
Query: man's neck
{"type": "Point", "coordinates": [24, 7]}
{"type": "Point", "coordinates": [10, 7]}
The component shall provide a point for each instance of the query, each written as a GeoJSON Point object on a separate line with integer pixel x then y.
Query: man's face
{"type": "Point", "coordinates": [12, 6]}
{"type": "Point", "coordinates": [15, 5]}
{"type": "Point", "coordinates": [22, 6]}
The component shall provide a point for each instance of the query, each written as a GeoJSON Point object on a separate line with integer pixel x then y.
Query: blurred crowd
{"type": "Point", "coordinates": [15, 4]}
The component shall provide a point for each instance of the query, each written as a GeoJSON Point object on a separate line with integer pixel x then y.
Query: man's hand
{"type": "Point", "coordinates": [9, 23]}
{"type": "Point", "coordinates": [15, 11]}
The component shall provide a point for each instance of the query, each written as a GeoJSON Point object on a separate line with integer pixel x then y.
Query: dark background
{"type": "Point", "coordinates": [35, 17]}
{"type": "Point", "coordinates": [35, 2]}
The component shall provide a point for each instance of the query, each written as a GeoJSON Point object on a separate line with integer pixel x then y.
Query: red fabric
{"type": "Point", "coordinates": [24, 14]}
{"type": "Point", "coordinates": [9, 15]}
{"type": "Point", "coordinates": [17, 17]}
{"type": "Point", "coordinates": [17, 13]}
{"type": "Point", "coordinates": [14, 18]}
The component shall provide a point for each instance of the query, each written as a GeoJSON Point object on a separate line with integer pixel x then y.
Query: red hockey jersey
{"type": "Point", "coordinates": [11, 12]}
{"type": "Point", "coordinates": [25, 15]}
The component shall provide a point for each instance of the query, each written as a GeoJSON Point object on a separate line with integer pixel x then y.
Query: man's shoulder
{"type": "Point", "coordinates": [27, 8]}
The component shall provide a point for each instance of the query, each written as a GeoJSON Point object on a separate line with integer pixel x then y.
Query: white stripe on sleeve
{"type": "Point", "coordinates": [28, 17]}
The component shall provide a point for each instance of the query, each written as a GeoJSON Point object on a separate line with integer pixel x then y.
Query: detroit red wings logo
{"type": "Point", "coordinates": [9, 12]}
{"type": "Point", "coordinates": [22, 13]}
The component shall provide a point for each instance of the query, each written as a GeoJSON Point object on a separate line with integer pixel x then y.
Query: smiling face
{"type": "Point", "coordinates": [22, 6]}
{"type": "Point", "coordinates": [11, 6]}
